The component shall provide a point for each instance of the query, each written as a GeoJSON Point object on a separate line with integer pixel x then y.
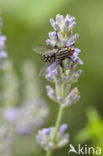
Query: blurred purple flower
{"type": "Point", "coordinates": [11, 114]}
{"type": "Point", "coordinates": [2, 40]}
{"type": "Point", "coordinates": [3, 52]}
{"type": "Point", "coordinates": [31, 116]}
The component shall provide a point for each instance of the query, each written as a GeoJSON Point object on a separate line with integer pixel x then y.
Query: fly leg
{"type": "Point", "coordinates": [62, 66]}
{"type": "Point", "coordinates": [71, 59]}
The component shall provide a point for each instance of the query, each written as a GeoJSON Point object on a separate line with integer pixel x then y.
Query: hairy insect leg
{"type": "Point", "coordinates": [71, 59]}
{"type": "Point", "coordinates": [62, 66]}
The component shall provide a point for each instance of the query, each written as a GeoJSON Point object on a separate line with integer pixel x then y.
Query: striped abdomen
{"type": "Point", "coordinates": [49, 57]}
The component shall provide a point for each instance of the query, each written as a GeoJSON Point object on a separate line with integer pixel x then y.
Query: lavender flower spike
{"type": "Point", "coordinates": [62, 75]}
{"type": "Point", "coordinates": [3, 52]}
{"type": "Point", "coordinates": [63, 31]}
{"type": "Point", "coordinates": [44, 138]}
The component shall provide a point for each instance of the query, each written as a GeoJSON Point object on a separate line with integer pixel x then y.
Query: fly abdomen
{"type": "Point", "coordinates": [49, 57]}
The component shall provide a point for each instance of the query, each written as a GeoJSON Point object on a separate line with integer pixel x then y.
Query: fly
{"type": "Point", "coordinates": [54, 54]}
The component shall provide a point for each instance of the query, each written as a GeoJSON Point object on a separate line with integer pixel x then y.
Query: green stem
{"type": "Point", "coordinates": [49, 153]}
{"type": "Point", "coordinates": [57, 126]}
{"type": "Point", "coordinates": [58, 121]}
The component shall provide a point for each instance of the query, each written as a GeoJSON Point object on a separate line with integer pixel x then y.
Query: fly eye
{"type": "Point", "coordinates": [69, 48]}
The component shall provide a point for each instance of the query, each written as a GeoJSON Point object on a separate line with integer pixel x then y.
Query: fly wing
{"type": "Point", "coordinates": [47, 67]}
{"type": "Point", "coordinates": [42, 49]}
{"type": "Point", "coordinates": [43, 70]}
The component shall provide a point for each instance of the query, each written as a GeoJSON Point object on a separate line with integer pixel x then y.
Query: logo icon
{"type": "Point", "coordinates": [84, 150]}
{"type": "Point", "coordinates": [72, 149]}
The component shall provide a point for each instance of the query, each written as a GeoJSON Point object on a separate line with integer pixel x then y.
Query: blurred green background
{"type": "Point", "coordinates": [26, 23]}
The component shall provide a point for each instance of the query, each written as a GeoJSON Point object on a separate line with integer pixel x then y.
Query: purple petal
{"type": "Point", "coordinates": [51, 67]}
{"type": "Point", "coordinates": [46, 131]}
{"type": "Point", "coordinates": [52, 21]}
{"type": "Point", "coordinates": [64, 41]}
{"type": "Point", "coordinates": [3, 54]}
{"type": "Point", "coordinates": [73, 24]}
{"type": "Point", "coordinates": [77, 50]}
{"type": "Point", "coordinates": [56, 26]}
{"type": "Point", "coordinates": [63, 128]}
